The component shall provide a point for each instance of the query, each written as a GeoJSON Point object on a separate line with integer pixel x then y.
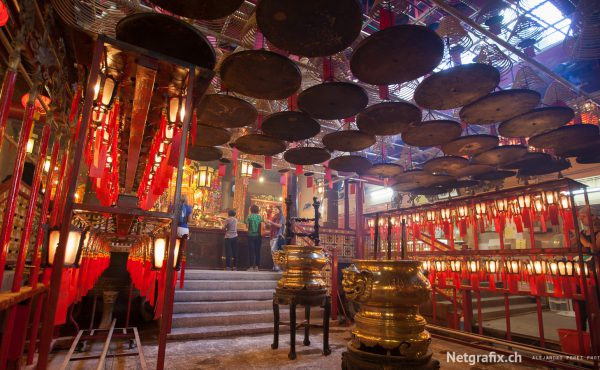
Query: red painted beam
{"type": "Point", "coordinates": [144, 86]}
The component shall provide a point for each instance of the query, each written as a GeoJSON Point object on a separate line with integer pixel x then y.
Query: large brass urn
{"type": "Point", "coordinates": [388, 325]}
{"type": "Point", "coordinates": [302, 267]}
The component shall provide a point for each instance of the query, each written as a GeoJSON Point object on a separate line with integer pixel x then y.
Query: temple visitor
{"type": "Point", "coordinates": [277, 224]}
{"type": "Point", "coordinates": [230, 241]}
{"type": "Point", "coordinates": [254, 222]}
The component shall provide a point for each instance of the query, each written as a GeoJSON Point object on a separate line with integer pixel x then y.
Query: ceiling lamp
{"type": "Point", "coordinates": [246, 169]}
{"type": "Point", "coordinates": [205, 177]}
{"type": "Point", "coordinates": [73, 248]}
{"type": "Point", "coordinates": [175, 110]}
{"type": "Point", "coordinates": [159, 250]}
{"type": "Point", "coordinates": [107, 85]}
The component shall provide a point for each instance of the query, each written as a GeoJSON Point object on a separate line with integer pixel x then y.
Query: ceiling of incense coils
{"type": "Point", "coordinates": [238, 32]}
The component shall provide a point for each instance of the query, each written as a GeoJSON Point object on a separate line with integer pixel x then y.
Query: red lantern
{"type": "Point", "coordinates": [3, 14]}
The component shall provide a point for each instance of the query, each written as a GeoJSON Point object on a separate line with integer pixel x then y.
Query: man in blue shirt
{"type": "Point", "coordinates": [183, 230]}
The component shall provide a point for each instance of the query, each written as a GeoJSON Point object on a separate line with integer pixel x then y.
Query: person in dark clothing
{"type": "Point", "coordinates": [254, 221]}
{"type": "Point", "coordinates": [230, 241]}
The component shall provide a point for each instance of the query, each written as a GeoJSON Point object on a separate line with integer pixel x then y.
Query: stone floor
{"type": "Point", "coordinates": [254, 353]}
{"type": "Point", "coordinates": [527, 324]}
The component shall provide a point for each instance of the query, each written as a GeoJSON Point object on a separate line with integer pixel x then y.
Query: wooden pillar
{"type": "Point", "coordinates": [360, 220]}
{"type": "Point", "coordinates": [346, 205]}
{"type": "Point", "coordinates": [292, 191]}
{"type": "Point", "coordinates": [239, 194]}
{"type": "Point", "coordinates": [332, 206]}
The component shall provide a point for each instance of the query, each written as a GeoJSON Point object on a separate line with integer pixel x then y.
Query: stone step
{"type": "Point", "coordinates": [490, 313]}
{"type": "Point", "coordinates": [220, 331]}
{"type": "Point", "coordinates": [224, 295]}
{"type": "Point", "coordinates": [230, 275]}
{"type": "Point", "coordinates": [238, 318]}
{"type": "Point", "coordinates": [224, 306]}
{"type": "Point", "coordinates": [230, 284]}
{"type": "Point", "coordinates": [498, 301]}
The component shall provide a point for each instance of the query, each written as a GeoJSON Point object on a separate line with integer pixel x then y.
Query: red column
{"type": "Point", "coordinates": [13, 192]}
{"type": "Point", "coordinates": [165, 321]}
{"type": "Point", "coordinates": [8, 87]}
{"type": "Point", "coordinates": [57, 269]}
{"type": "Point", "coordinates": [33, 197]}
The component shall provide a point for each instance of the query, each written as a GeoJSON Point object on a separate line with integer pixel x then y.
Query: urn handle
{"type": "Point", "coordinates": [280, 258]}
{"type": "Point", "coordinates": [357, 284]}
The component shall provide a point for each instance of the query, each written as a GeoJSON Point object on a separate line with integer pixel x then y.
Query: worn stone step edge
{"type": "Point", "coordinates": [205, 332]}
{"type": "Point", "coordinates": [228, 285]}
{"type": "Point", "coordinates": [221, 306]}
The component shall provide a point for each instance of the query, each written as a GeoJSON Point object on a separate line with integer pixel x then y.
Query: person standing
{"type": "Point", "coordinates": [277, 224]}
{"type": "Point", "coordinates": [230, 241]}
{"type": "Point", "coordinates": [183, 230]}
{"type": "Point", "coordinates": [254, 222]}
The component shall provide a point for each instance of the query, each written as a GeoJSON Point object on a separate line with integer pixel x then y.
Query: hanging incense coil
{"type": "Point", "coordinates": [225, 111]}
{"type": "Point", "coordinates": [432, 133]}
{"type": "Point", "coordinates": [350, 163]}
{"type": "Point", "coordinates": [211, 136]}
{"type": "Point", "coordinates": [203, 153]}
{"type": "Point", "coordinates": [501, 155]}
{"type": "Point", "coordinates": [310, 28]}
{"type": "Point", "coordinates": [554, 165]}
{"type": "Point", "coordinates": [490, 14]}
{"type": "Point", "coordinates": [291, 126]}
{"type": "Point", "coordinates": [470, 145]}
{"type": "Point", "coordinates": [526, 78]}
{"type": "Point", "coordinates": [167, 35]}
{"type": "Point", "coordinates": [471, 170]}
{"type": "Point", "coordinates": [260, 74]}
{"type": "Point", "coordinates": [385, 170]}
{"type": "Point", "coordinates": [586, 21]}
{"type": "Point", "coordinates": [333, 100]}
{"type": "Point", "coordinates": [456, 86]}
{"type": "Point", "coordinates": [495, 175]}
{"type": "Point", "coordinates": [457, 39]}
{"type": "Point", "coordinates": [565, 138]}
{"type": "Point", "coordinates": [348, 140]}
{"type": "Point", "coordinates": [396, 55]}
{"type": "Point", "coordinates": [536, 122]}
{"type": "Point", "coordinates": [212, 9]}
{"type": "Point", "coordinates": [499, 106]}
{"type": "Point", "coordinates": [445, 164]}
{"type": "Point", "coordinates": [306, 156]}
{"type": "Point", "coordinates": [388, 118]}
{"type": "Point", "coordinates": [557, 94]}
{"type": "Point", "coordinates": [493, 56]}
{"type": "Point", "coordinates": [525, 33]}
{"type": "Point", "coordinates": [416, 179]}
{"type": "Point", "coordinates": [259, 144]}
{"type": "Point", "coordinates": [528, 160]}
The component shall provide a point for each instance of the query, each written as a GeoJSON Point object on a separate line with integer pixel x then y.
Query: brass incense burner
{"type": "Point", "coordinates": [302, 267]}
{"type": "Point", "coordinates": [388, 324]}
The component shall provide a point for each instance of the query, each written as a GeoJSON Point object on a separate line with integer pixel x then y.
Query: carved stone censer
{"type": "Point", "coordinates": [389, 331]}
{"type": "Point", "coordinates": [302, 268]}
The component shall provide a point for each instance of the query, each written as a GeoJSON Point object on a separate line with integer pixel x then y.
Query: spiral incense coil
{"type": "Point", "coordinates": [526, 78]}
{"type": "Point", "coordinates": [492, 55]}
